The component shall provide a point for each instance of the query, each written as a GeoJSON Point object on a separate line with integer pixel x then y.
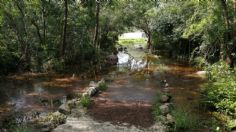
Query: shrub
{"type": "Point", "coordinates": [156, 112]}
{"type": "Point", "coordinates": [102, 86]}
{"type": "Point", "coordinates": [219, 92]}
{"type": "Point", "coordinates": [85, 101]}
{"type": "Point", "coordinates": [183, 119]}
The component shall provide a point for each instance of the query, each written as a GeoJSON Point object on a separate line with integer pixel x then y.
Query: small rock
{"type": "Point", "coordinates": [162, 118]}
{"type": "Point", "coordinates": [164, 99]}
{"type": "Point", "coordinates": [201, 73]}
{"type": "Point", "coordinates": [164, 109]}
{"type": "Point", "coordinates": [157, 127]}
{"type": "Point", "coordinates": [92, 91]}
{"type": "Point", "coordinates": [85, 94]}
{"type": "Point", "coordinates": [64, 109]}
{"type": "Point", "coordinates": [170, 119]}
{"type": "Point", "coordinates": [101, 81]}
{"type": "Point", "coordinates": [72, 103]}
{"type": "Point", "coordinates": [92, 84]}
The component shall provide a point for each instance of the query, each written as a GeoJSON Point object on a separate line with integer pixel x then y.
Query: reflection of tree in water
{"type": "Point", "coordinates": [12, 90]}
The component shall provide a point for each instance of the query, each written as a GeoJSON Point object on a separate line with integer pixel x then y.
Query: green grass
{"type": "Point", "coordinates": [155, 108]}
{"type": "Point", "coordinates": [24, 129]}
{"type": "Point", "coordinates": [102, 87]}
{"type": "Point", "coordinates": [85, 101]}
{"type": "Point", "coordinates": [183, 119]}
{"type": "Point", "coordinates": [126, 42]}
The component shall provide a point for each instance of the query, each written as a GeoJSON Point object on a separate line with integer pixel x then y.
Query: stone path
{"type": "Point", "coordinates": [87, 124]}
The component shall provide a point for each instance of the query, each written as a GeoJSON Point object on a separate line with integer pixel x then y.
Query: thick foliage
{"type": "Point", "coordinates": [219, 93]}
{"type": "Point", "coordinates": [220, 90]}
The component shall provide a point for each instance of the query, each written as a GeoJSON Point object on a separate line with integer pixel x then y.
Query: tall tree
{"type": "Point", "coordinates": [64, 33]}
{"type": "Point", "coordinates": [95, 40]}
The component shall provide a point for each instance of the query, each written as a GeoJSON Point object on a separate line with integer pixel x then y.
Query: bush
{"type": "Point", "coordinates": [85, 101]}
{"type": "Point", "coordinates": [183, 119]}
{"type": "Point", "coordinates": [219, 92]}
{"type": "Point", "coordinates": [8, 61]}
{"type": "Point", "coordinates": [102, 86]}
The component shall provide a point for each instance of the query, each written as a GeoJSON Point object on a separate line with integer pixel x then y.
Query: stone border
{"type": "Point", "coordinates": [50, 121]}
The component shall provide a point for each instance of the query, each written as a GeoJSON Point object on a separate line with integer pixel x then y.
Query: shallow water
{"type": "Point", "coordinates": [132, 92]}
{"type": "Point", "coordinates": [128, 99]}
{"type": "Point", "coordinates": [39, 93]}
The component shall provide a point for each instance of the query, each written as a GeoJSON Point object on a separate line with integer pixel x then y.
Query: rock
{"type": "Point", "coordinates": [164, 109]}
{"type": "Point", "coordinates": [158, 127]}
{"type": "Point", "coordinates": [50, 121]}
{"type": "Point", "coordinates": [201, 73]}
{"type": "Point", "coordinates": [170, 119]}
{"type": "Point", "coordinates": [85, 94]}
{"type": "Point", "coordinates": [92, 84]}
{"type": "Point", "coordinates": [72, 103]}
{"type": "Point", "coordinates": [64, 109]}
{"type": "Point", "coordinates": [101, 82]}
{"type": "Point", "coordinates": [91, 91]}
{"type": "Point", "coordinates": [46, 127]}
{"type": "Point", "coordinates": [164, 99]}
{"type": "Point", "coordinates": [162, 118]}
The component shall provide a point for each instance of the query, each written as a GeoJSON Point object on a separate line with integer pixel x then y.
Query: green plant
{"type": "Point", "coordinates": [183, 119]}
{"type": "Point", "coordinates": [156, 112]}
{"type": "Point", "coordinates": [102, 86]}
{"type": "Point", "coordinates": [24, 129]}
{"type": "Point", "coordinates": [85, 101]}
{"type": "Point", "coordinates": [219, 92]}
{"type": "Point", "coordinates": [156, 107]}
{"type": "Point", "coordinates": [126, 42]}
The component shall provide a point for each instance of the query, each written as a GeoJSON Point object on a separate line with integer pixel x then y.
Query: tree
{"type": "Point", "coordinates": [64, 33]}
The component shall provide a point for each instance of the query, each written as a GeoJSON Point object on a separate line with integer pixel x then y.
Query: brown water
{"type": "Point", "coordinates": [128, 99]}
{"type": "Point", "coordinates": [36, 92]}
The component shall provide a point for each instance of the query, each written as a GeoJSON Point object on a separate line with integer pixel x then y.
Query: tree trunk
{"type": "Point", "coordinates": [95, 40]}
{"type": "Point", "coordinates": [37, 30]}
{"type": "Point", "coordinates": [25, 44]}
{"type": "Point", "coordinates": [149, 43]}
{"type": "Point", "coordinates": [225, 47]}
{"type": "Point", "coordinates": [44, 22]}
{"type": "Point", "coordinates": [63, 45]}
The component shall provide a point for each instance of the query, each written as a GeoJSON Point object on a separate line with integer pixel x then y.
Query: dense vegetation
{"type": "Point", "coordinates": [53, 35]}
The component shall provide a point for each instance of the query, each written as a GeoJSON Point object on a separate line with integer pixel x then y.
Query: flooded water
{"type": "Point", "coordinates": [131, 94]}
{"type": "Point", "coordinates": [128, 99]}
{"type": "Point", "coordinates": [36, 93]}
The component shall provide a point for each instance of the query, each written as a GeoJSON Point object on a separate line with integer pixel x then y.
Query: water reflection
{"type": "Point", "coordinates": [32, 95]}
